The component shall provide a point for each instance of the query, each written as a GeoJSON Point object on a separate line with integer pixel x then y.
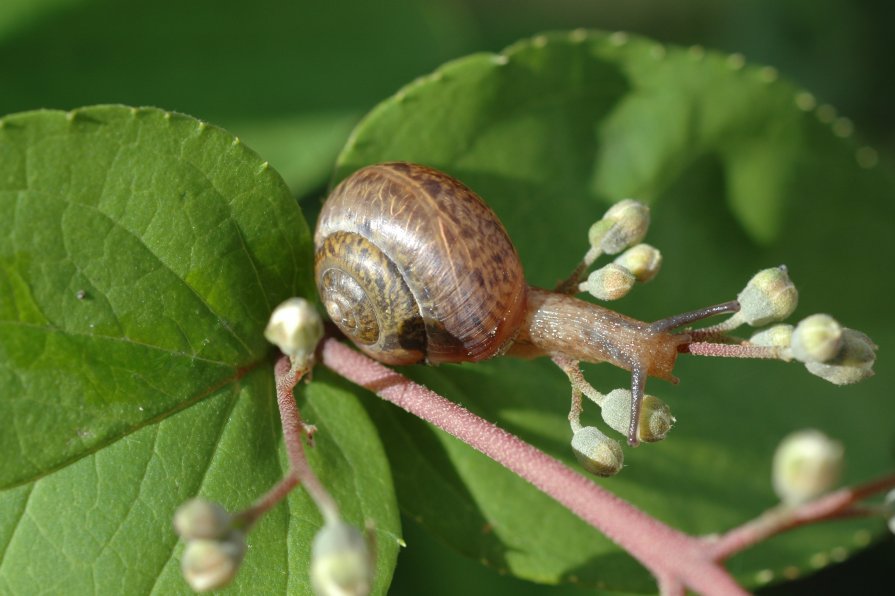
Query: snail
{"type": "Point", "coordinates": [413, 266]}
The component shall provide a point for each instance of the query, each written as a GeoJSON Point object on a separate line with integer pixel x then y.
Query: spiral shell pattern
{"type": "Point", "coordinates": [412, 265]}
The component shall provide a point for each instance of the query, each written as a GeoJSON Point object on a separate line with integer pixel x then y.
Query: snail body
{"type": "Point", "coordinates": [413, 266]}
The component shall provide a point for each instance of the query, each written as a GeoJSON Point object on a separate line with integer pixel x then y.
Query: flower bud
{"type": "Point", "coordinates": [596, 452]}
{"type": "Point", "coordinates": [198, 518]}
{"type": "Point", "coordinates": [806, 464]}
{"type": "Point", "coordinates": [889, 503]}
{"type": "Point", "coordinates": [655, 415]}
{"type": "Point", "coordinates": [853, 363]}
{"type": "Point", "coordinates": [341, 564]}
{"type": "Point", "coordinates": [212, 564]}
{"type": "Point", "coordinates": [609, 282]}
{"type": "Point", "coordinates": [778, 336]}
{"type": "Point", "coordinates": [817, 338]}
{"type": "Point", "coordinates": [769, 296]}
{"type": "Point", "coordinates": [295, 327]}
{"type": "Point", "coordinates": [623, 225]}
{"type": "Point", "coordinates": [643, 261]}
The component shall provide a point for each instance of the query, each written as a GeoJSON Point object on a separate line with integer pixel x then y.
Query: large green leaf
{"type": "Point", "coordinates": [141, 254]}
{"type": "Point", "coordinates": [103, 524]}
{"type": "Point", "coordinates": [742, 174]}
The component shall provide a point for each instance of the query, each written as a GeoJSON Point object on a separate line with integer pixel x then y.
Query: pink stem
{"type": "Point", "coordinates": [835, 505]}
{"type": "Point", "coordinates": [286, 378]}
{"type": "Point", "coordinates": [719, 350]}
{"type": "Point", "coordinates": [666, 552]}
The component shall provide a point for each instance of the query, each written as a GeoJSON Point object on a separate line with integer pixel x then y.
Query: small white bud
{"type": "Point", "coordinates": [817, 338]}
{"type": "Point", "coordinates": [769, 296]}
{"type": "Point", "coordinates": [295, 327]}
{"type": "Point", "coordinates": [198, 518]}
{"type": "Point", "coordinates": [596, 452]}
{"type": "Point", "coordinates": [655, 415]}
{"type": "Point", "coordinates": [643, 261]}
{"type": "Point", "coordinates": [609, 282]}
{"type": "Point", "coordinates": [778, 336]}
{"type": "Point", "coordinates": [853, 363]}
{"type": "Point", "coordinates": [624, 224]}
{"type": "Point", "coordinates": [341, 564]}
{"type": "Point", "coordinates": [212, 564]}
{"type": "Point", "coordinates": [889, 503]}
{"type": "Point", "coordinates": [806, 464]}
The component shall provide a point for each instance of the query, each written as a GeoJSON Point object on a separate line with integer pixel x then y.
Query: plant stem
{"type": "Point", "coordinates": [836, 505]}
{"type": "Point", "coordinates": [671, 555]}
{"type": "Point", "coordinates": [745, 350]}
{"type": "Point", "coordinates": [287, 376]}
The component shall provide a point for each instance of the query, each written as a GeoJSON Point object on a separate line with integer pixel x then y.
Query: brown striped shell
{"type": "Point", "coordinates": [412, 265]}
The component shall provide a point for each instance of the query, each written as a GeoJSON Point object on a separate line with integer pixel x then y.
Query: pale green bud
{"type": "Point", "coordinates": [198, 518]}
{"type": "Point", "coordinates": [890, 505]}
{"type": "Point", "coordinates": [769, 296]}
{"type": "Point", "coordinates": [817, 338]}
{"type": "Point", "coordinates": [212, 564]}
{"type": "Point", "coordinates": [655, 415]}
{"type": "Point", "coordinates": [624, 224]}
{"type": "Point", "coordinates": [609, 282]}
{"type": "Point", "coordinates": [643, 261]}
{"type": "Point", "coordinates": [806, 465]}
{"type": "Point", "coordinates": [778, 336]}
{"type": "Point", "coordinates": [295, 327]}
{"type": "Point", "coordinates": [596, 452]}
{"type": "Point", "coordinates": [853, 363]}
{"type": "Point", "coordinates": [341, 564]}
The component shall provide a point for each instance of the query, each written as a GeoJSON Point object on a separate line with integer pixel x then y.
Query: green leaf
{"type": "Point", "coordinates": [742, 174]}
{"type": "Point", "coordinates": [301, 148]}
{"type": "Point", "coordinates": [103, 524]}
{"type": "Point", "coordinates": [141, 255]}
{"type": "Point", "coordinates": [135, 237]}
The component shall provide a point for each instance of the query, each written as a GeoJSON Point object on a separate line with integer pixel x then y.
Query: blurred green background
{"type": "Point", "coordinates": [292, 77]}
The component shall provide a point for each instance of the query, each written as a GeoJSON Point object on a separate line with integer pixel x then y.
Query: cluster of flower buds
{"type": "Point", "coordinates": [835, 353]}
{"type": "Point", "coordinates": [830, 351]}
{"type": "Point", "coordinates": [215, 547]}
{"type": "Point", "coordinates": [341, 563]}
{"type": "Point", "coordinates": [621, 229]}
{"type": "Point", "coordinates": [602, 455]}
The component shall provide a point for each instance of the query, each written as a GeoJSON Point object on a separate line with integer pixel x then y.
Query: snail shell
{"type": "Point", "coordinates": [412, 265]}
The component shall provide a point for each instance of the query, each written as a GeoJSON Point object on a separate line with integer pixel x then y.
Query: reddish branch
{"type": "Point", "coordinates": [667, 553]}
{"type": "Point", "coordinates": [677, 560]}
